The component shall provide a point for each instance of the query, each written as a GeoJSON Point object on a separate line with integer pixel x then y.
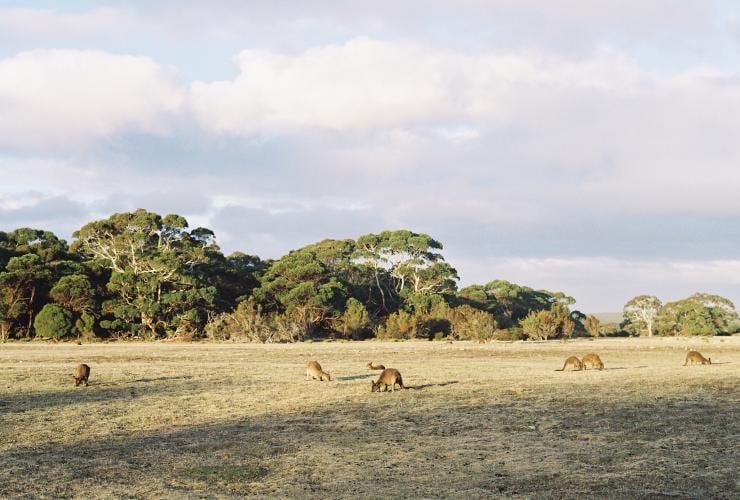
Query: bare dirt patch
{"type": "Point", "coordinates": [483, 421]}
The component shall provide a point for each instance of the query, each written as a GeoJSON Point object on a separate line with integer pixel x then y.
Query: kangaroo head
{"type": "Point", "coordinates": [375, 386]}
{"type": "Point", "coordinates": [709, 360]}
{"type": "Point", "coordinates": [325, 376]}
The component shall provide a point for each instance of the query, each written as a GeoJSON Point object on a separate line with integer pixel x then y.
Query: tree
{"type": "Point", "coordinates": [412, 261]}
{"type": "Point", "coordinates": [355, 321]}
{"type": "Point", "coordinates": [640, 313]}
{"type": "Point", "coordinates": [540, 325]}
{"type": "Point", "coordinates": [509, 302]}
{"type": "Point", "coordinates": [592, 325]}
{"type": "Point", "coordinates": [74, 293]}
{"type": "Point", "coordinates": [466, 322]}
{"type": "Point", "coordinates": [302, 286]}
{"type": "Point", "coordinates": [53, 321]}
{"type": "Point", "coordinates": [25, 279]}
{"type": "Point", "coordinates": [700, 314]}
{"type": "Point", "coordinates": [158, 270]}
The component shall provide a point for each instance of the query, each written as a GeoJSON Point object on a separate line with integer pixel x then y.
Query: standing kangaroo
{"type": "Point", "coordinates": [592, 360]}
{"type": "Point", "coordinates": [371, 366]}
{"type": "Point", "coordinates": [694, 357]}
{"type": "Point", "coordinates": [82, 373]}
{"type": "Point", "coordinates": [314, 371]}
{"type": "Point", "coordinates": [571, 364]}
{"type": "Point", "coordinates": [388, 378]}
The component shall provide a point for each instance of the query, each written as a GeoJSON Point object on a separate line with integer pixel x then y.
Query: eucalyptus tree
{"type": "Point", "coordinates": [403, 263]}
{"type": "Point", "coordinates": [302, 286]}
{"type": "Point", "coordinates": [640, 312]}
{"type": "Point", "coordinates": [156, 267]}
{"type": "Point", "coordinates": [509, 302]}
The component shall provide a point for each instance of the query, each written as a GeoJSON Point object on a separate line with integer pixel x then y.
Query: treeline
{"type": "Point", "coordinates": [140, 275]}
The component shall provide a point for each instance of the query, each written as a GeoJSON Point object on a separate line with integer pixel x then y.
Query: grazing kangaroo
{"type": "Point", "coordinates": [388, 378]}
{"type": "Point", "coordinates": [571, 364]}
{"type": "Point", "coordinates": [592, 360]}
{"type": "Point", "coordinates": [694, 357]}
{"type": "Point", "coordinates": [375, 367]}
{"type": "Point", "coordinates": [82, 373]}
{"type": "Point", "coordinates": [314, 371]}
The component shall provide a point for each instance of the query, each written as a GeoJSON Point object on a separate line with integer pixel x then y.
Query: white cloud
{"type": "Point", "coordinates": [70, 98]}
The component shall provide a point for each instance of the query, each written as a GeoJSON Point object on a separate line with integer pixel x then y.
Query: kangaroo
{"type": "Point", "coordinates": [388, 378]}
{"type": "Point", "coordinates": [371, 366]}
{"type": "Point", "coordinates": [82, 373]}
{"type": "Point", "coordinates": [694, 357]}
{"type": "Point", "coordinates": [571, 364]}
{"type": "Point", "coordinates": [314, 371]}
{"type": "Point", "coordinates": [593, 360]}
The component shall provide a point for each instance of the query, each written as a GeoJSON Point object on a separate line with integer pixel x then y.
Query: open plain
{"type": "Point", "coordinates": [207, 419]}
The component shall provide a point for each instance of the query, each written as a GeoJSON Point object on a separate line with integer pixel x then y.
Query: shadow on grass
{"type": "Point", "coordinates": [158, 379]}
{"type": "Point", "coordinates": [426, 386]}
{"type": "Point", "coordinates": [419, 450]}
{"type": "Point", "coordinates": [95, 392]}
{"type": "Point", "coordinates": [356, 377]}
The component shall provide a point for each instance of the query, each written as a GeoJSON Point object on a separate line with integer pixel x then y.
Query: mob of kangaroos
{"type": "Point", "coordinates": [589, 360]}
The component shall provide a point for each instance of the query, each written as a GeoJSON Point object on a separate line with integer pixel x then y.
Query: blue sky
{"type": "Point", "coordinates": [588, 146]}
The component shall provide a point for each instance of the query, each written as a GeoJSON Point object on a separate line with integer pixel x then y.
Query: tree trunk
{"type": "Point", "coordinates": [30, 312]}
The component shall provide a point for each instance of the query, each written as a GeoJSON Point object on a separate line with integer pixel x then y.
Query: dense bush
{"type": "Point", "coordinates": [249, 323]}
{"type": "Point", "coordinates": [468, 323]}
{"type": "Point", "coordinates": [53, 321]}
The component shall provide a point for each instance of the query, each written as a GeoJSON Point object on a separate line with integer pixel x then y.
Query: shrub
{"type": "Point", "coordinates": [53, 321]}
{"type": "Point", "coordinates": [513, 333]}
{"type": "Point", "coordinates": [249, 323]}
{"type": "Point", "coordinates": [398, 325]}
{"type": "Point", "coordinates": [540, 325]}
{"type": "Point", "coordinates": [354, 322]}
{"type": "Point", "coordinates": [468, 323]}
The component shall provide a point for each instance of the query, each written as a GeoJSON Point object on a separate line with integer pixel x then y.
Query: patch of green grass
{"type": "Point", "coordinates": [227, 473]}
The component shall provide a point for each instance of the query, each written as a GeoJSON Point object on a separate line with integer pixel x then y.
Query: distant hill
{"type": "Point", "coordinates": [609, 317]}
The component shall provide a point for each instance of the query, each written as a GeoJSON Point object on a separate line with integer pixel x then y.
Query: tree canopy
{"type": "Point", "coordinates": [142, 275]}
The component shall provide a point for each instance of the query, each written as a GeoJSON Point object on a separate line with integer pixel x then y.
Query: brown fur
{"type": "Point", "coordinates": [314, 371]}
{"type": "Point", "coordinates": [571, 364]}
{"type": "Point", "coordinates": [371, 366]}
{"type": "Point", "coordinates": [388, 378]}
{"type": "Point", "coordinates": [82, 373]}
{"type": "Point", "coordinates": [593, 360]}
{"type": "Point", "coordinates": [694, 358]}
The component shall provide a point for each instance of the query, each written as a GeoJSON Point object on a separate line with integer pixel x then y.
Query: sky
{"type": "Point", "coordinates": [585, 146]}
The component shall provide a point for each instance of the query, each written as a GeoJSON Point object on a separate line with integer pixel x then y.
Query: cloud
{"type": "Point", "coordinates": [66, 99]}
{"type": "Point", "coordinates": [365, 84]}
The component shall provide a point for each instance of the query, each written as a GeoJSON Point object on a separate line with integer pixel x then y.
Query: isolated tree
{"type": "Point", "coordinates": [592, 325]}
{"type": "Point", "coordinates": [640, 313]}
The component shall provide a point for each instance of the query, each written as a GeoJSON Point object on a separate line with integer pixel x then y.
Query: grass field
{"type": "Point", "coordinates": [173, 420]}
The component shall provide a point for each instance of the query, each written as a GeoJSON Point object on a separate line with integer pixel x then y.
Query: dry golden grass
{"type": "Point", "coordinates": [173, 420]}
